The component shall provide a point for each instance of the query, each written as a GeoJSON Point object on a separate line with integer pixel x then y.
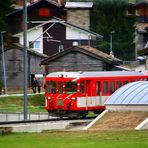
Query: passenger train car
{"type": "Point", "coordinates": [76, 93]}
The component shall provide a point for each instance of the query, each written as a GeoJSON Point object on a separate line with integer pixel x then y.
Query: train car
{"type": "Point", "coordinates": [74, 94]}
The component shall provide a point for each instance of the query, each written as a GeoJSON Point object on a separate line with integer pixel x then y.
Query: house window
{"type": "Point", "coordinates": [75, 43]}
{"type": "Point", "coordinates": [30, 44]}
{"type": "Point", "coordinates": [37, 44]}
{"type": "Point", "coordinates": [34, 45]}
{"type": "Point", "coordinates": [44, 12]}
{"type": "Point", "coordinates": [61, 48]}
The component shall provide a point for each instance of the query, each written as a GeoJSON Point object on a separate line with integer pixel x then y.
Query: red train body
{"type": "Point", "coordinates": [76, 93]}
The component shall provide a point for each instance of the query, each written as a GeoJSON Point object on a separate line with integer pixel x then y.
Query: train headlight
{"type": "Point", "coordinates": [73, 98]}
{"type": "Point", "coordinates": [48, 98]}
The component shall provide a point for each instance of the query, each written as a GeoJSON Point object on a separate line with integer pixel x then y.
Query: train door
{"type": "Point", "coordinates": [90, 93]}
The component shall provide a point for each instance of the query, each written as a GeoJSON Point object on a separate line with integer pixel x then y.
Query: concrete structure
{"type": "Point", "coordinates": [143, 125]}
{"type": "Point", "coordinates": [131, 97]}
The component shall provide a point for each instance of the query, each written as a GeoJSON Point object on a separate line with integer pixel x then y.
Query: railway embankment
{"type": "Point", "coordinates": [121, 120]}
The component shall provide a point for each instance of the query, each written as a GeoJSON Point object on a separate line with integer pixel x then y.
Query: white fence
{"type": "Point", "coordinates": [4, 117]}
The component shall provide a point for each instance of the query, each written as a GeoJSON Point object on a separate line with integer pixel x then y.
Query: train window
{"type": "Point", "coordinates": [71, 87]}
{"type": "Point", "coordinates": [82, 87]}
{"type": "Point", "coordinates": [98, 88]}
{"type": "Point", "coordinates": [51, 87]}
{"type": "Point", "coordinates": [125, 82]}
{"type": "Point", "coordinates": [112, 87]}
{"type": "Point", "coordinates": [60, 87]}
{"type": "Point", "coordinates": [105, 87]}
{"type": "Point", "coordinates": [118, 84]}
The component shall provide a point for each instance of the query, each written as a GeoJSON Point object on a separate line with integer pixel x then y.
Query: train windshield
{"type": "Point", "coordinates": [71, 87]}
{"type": "Point", "coordinates": [51, 87]}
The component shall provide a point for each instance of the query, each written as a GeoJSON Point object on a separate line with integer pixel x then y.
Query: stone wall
{"type": "Point", "coordinates": [80, 18]}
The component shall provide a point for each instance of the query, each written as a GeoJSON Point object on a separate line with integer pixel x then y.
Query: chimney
{"type": "Point", "coordinates": [60, 2]}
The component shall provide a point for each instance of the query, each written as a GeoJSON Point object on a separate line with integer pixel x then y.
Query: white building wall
{"type": "Point", "coordinates": [73, 34]}
{"type": "Point", "coordinates": [32, 35]}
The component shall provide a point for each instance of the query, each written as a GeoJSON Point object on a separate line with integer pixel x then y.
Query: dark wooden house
{"type": "Point", "coordinates": [37, 13]}
{"type": "Point", "coordinates": [57, 35]}
{"type": "Point", "coordinates": [80, 58]}
{"type": "Point", "coordinates": [14, 65]}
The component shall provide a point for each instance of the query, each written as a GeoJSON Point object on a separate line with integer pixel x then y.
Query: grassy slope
{"type": "Point", "coordinates": [118, 139]}
{"type": "Point", "coordinates": [36, 103]}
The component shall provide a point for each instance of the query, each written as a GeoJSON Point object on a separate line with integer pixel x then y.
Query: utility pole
{"type": "Point", "coordinates": [25, 60]}
{"type": "Point", "coordinates": [3, 61]}
{"type": "Point", "coordinates": [111, 44]}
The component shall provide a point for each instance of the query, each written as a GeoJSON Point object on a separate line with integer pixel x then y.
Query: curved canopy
{"type": "Point", "coordinates": [135, 93]}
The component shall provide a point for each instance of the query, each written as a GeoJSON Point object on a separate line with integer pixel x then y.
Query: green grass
{"type": "Point", "coordinates": [86, 139]}
{"type": "Point", "coordinates": [36, 103]}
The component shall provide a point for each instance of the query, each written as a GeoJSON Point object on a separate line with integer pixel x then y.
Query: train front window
{"type": "Point", "coordinates": [51, 87]}
{"type": "Point", "coordinates": [71, 87]}
{"type": "Point", "coordinates": [60, 87]}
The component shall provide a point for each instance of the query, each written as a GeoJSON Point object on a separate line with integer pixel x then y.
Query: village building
{"type": "Point", "coordinates": [14, 66]}
{"type": "Point", "coordinates": [140, 11]}
{"type": "Point", "coordinates": [57, 35]}
{"type": "Point", "coordinates": [52, 24]}
{"type": "Point", "coordinates": [80, 58]}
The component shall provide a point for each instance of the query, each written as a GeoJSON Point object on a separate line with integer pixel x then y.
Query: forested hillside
{"type": "Point", "coordinates": [111, 16]}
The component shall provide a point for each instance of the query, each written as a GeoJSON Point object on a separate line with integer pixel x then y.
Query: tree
{"type": "Point", "coordinates": [5, 7]}
{"type": "Point", "coordinates": [111, 15]}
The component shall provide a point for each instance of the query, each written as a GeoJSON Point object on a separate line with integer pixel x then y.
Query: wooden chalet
{"type": "Point", "coordinates": [14, 65]}
{"type": "Point", "coordinates": [37, 13]}
{"type": "Point", "coordinates": [80, 58]}
{"type": "Point", "coordinates": [56, 35]}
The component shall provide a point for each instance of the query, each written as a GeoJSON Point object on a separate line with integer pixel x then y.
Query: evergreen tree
{"type": "Point", "coordinates": [5, 7]}
{"type": "Point", "coordinates": [111, 15]}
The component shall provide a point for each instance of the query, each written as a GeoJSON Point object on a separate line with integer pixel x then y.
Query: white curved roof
{"type": "Point", "coordinates": [135, 93]}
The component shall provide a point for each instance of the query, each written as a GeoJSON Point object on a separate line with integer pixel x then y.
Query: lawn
{"type": "Point", "coordinates": [84, 139]}
{"type": "Point", "coordinates": [36, 103]}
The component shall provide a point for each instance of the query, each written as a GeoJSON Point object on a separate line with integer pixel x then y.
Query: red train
{"type": "Point", "coordinates": [76, 93]}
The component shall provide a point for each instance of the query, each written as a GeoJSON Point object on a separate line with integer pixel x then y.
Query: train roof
{"type": "Point", "coordinates": [95, 74]}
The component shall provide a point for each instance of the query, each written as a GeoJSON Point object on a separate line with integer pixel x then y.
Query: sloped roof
{"type": "Point", "coordinates": [85, 50]}
{"type": "Point", "coordinates": [58, 20]}
{"type": "Point", "coordinates": [79, 5]}
{"type": "Point", "coordinates": [53, 2]}
{"type": "Point", "coordinates": [135, 93]}
{"type": "Point", "coordinates": [20, 47]}
{"type": "Point", "coordinates": [143, 52]}
{"type": "Point", "coordinates": [141, 27]}
{"type": "Point", "coordinates": [142, 3]}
